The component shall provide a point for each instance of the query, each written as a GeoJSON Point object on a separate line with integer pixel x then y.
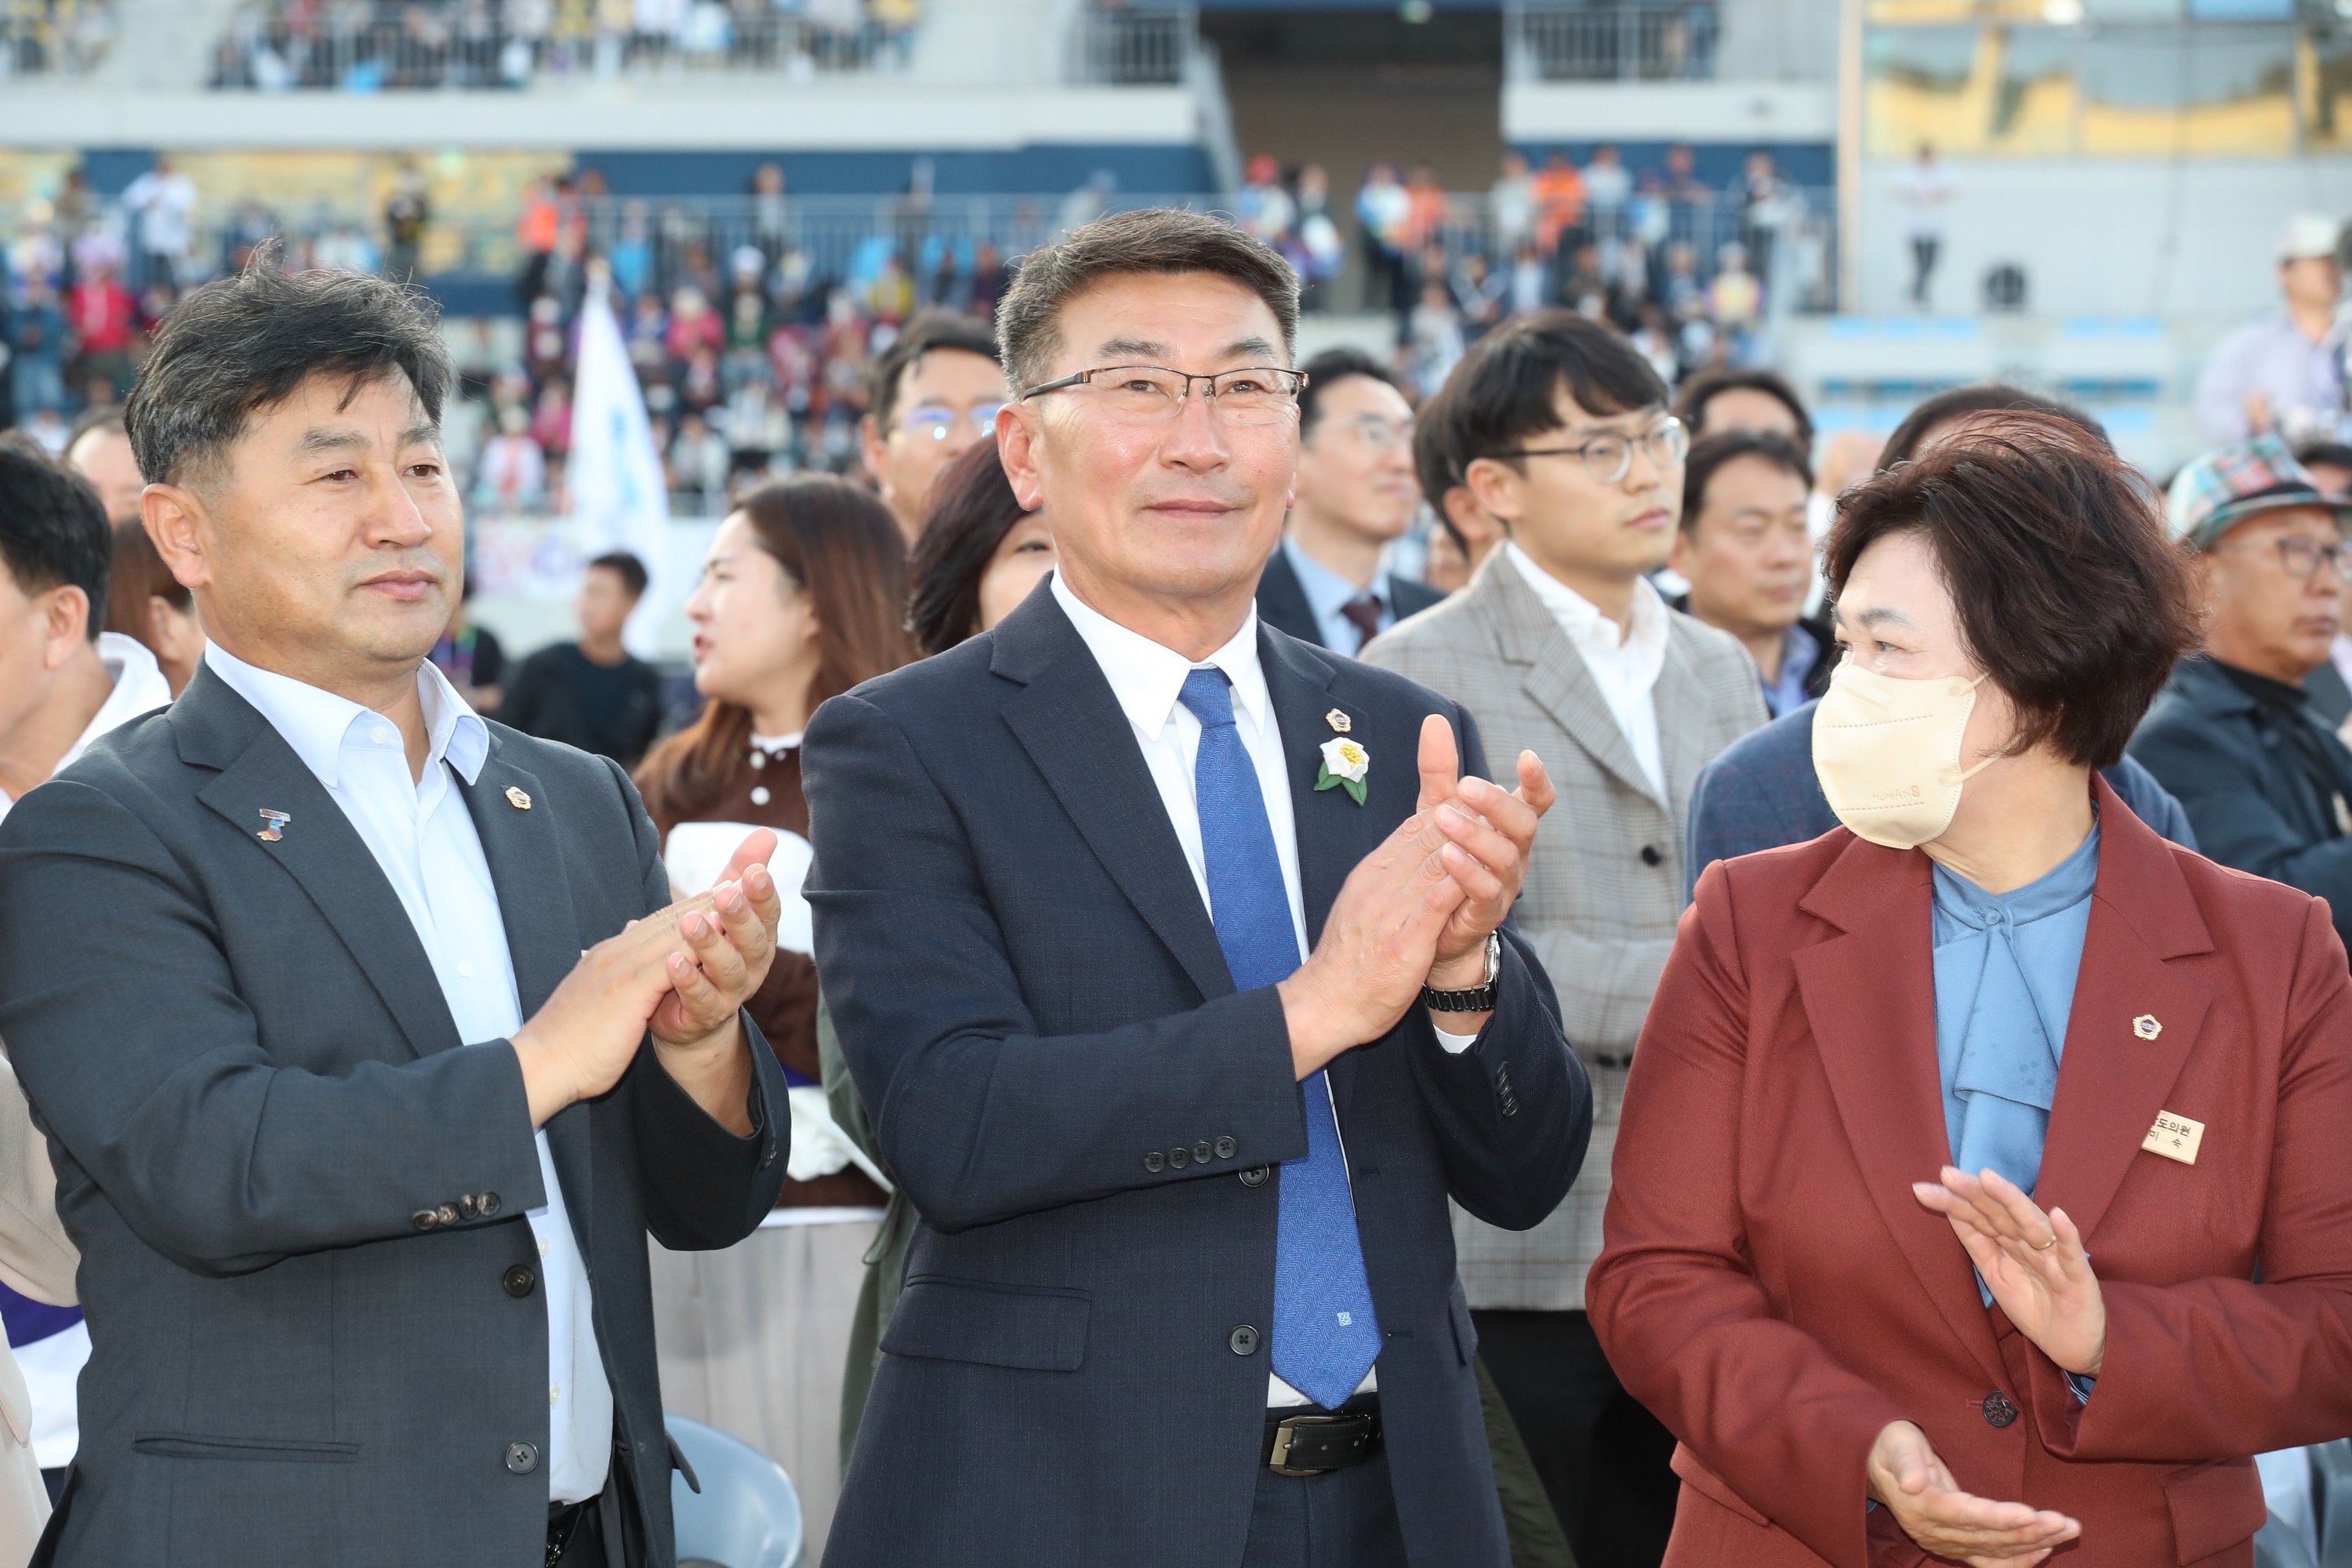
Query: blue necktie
{"type": "Point", "coordinates": [1325, 1335]}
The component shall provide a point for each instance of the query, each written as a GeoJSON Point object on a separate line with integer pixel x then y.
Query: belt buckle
{"type": "Point", "coordinates": [1282, 1434]}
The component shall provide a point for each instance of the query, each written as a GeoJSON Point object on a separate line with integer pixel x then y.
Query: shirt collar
{"type": "Point", "coordinates": [1326, 590]}
{"type": "Point", "coordinates": [1582, 619]}
{"type": "Point", "coordinates": [2060, 889]}
{"type": "Point", "coordinates": [1147, 677]}
{"type": "Point", "coordinates": [315, 723]}
{"type": "Point", "coordinates": [138, 685]}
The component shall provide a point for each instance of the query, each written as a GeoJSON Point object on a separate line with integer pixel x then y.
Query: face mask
{"type": "Point", "coordinates": [1887, 752]}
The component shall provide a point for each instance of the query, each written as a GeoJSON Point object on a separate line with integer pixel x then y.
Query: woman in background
{"type": "Point", "coordinates": [145, 602]}
{"type": "Point", "coordinates": [802, 597]}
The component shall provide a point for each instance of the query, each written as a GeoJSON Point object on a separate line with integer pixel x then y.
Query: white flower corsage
{"type": "Point", "coordinates": [1345, 763]}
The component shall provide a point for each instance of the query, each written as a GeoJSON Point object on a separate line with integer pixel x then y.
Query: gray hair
{"type": "Point", "coordinates": [1162, 240]}
{"type": "Point", "coordinates": [246, 343]}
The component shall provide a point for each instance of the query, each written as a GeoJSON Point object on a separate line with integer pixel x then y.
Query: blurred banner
{"type": "Point", "coordinates": [619, 499]}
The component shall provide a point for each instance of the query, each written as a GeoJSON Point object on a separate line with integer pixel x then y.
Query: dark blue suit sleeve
{"type": "Point", "coordinates": [2235, 823]}
{"type": "Point", "coordinates": [2151, 802]}
{"type": "Point", "coordinates": [980, 1117]}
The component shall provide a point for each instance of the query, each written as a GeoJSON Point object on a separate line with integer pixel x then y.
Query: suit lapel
{"type": "Point", "coordinates": [1077, 735]}
{"type": "Point", "coordinates": [1870, 998]}
{"type": "Point", "coordinates": [1282, 600]}
{"type": "Point", "coordinates": [1555, 676]}
{"type": "Point", "coordinates": [2111, 1082]}
{"type": "Point", "coordinates": [1682, 747]}
{"type": "Point", "coordinates": [521, 845]}
{"type": "Point", "coordinates": [317, 847]}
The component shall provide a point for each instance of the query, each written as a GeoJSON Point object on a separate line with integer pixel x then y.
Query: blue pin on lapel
{"type": "Point", "coordinates": [273, 825]}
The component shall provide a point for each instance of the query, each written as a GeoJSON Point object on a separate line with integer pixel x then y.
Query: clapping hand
{"type": "Point", "coordinates": [1490, 832]}
{"type": "Point", "coordinates": [1911, 1483]}
{"type": "Point", "coordinates": [2034, 1264]}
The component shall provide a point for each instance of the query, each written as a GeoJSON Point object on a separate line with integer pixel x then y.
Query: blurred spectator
{"type": "Point", "coordinates": [593, 693]}
{"type": "Point", "coordinates": [36, 344]}
{"type": "Point", "coordinates": [100, 453]}
{"type": "Point", "coordinates": [145, 602]}
{"type": "Point", "coordinates": [2285, 374]}
{"type": "Point", "coordinates": [1608, 190]}
{"type": "Point", "coordinates": [771, 214]}
{"type": "Point", "coordinates": [471, 656]}
{"type": "Point", "coordinates": [1559, 192]}
{"type": "Point", "coordinates": [700, 459]}
{"type": "Point", "coordinates": [1433, 338]}
{"type": "Point", "coordinates": [1263, 208]}
{"type": "Point", "coordinates": [510, 476]}
{"type": "Point", "coordinates": [164, 201]}
{"type": "Point", "coordinates": [934, 392]}
{"type": "Point", "coordinates": [1745, 399]}
{"type": "Point", "coordinates": [1766, 202]}
{"type": "Point", "coordinates": [1745, 548]}
{"type": "Point", "coordinates": [102, 320]}
{"type": "Point", "coordinates": [1316, 250]}
{"type": "Point", "coordinates": [1926, 192]}
{"type": "Point", "coordinates": [405, 215]}
{"type": "Point", "coordinates": [979, 555]}
{"type": "Point", "coordinates": [1385, 224]}
{"type": "Point", "coordinates": [1527, 292]}
{"type": "Point", "coordinates": [1425, 222]}
{"type": "Point", "coordinates": [1734, 300]}
{"type": "Point", "coordinates": [1353, 497]}
{"type": "Point", "coordinates": [1511, 206]}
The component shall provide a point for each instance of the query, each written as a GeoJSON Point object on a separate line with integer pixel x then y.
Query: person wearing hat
{"type": "Point", "coordinates": [2285, 373]}
{"type": "Point", "coordinates": [2267, 786]}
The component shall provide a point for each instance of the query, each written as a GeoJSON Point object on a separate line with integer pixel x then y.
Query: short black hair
{"type": "Point", "coordinates": [2335, 454]}
{"type": "Point", "coordinates": [1708, 455]}
{"type": "Point", "coordinates": [1691, 407]}
{"type": "Point", "coordinates": [53, 530]}
{"type": "Point", "coordinates": [1328, 370]}
{"type": "Point", "coordinates": [631, 571]}
{"type": "Point", "coordinates": [247, 342]}
{"type": "Point", "coordinates": [929, 330]}
{"type": "Point", "coordinates": [1508, 388]}
{"type": "Point", "coordinates": [1437, 457]}
{"type": "Point", "coordinates": [1981, 397]}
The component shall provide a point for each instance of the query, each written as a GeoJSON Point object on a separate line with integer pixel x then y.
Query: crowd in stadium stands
{"type": "Point", "coordinates": [38, 36]}
{"type": "Point", "coordinates": [362, 46]}
{"type": "Point", "coordinates": [753, 342]}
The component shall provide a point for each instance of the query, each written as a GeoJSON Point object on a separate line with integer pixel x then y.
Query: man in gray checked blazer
{"type": "Point", "coordinates": [1560, 645]}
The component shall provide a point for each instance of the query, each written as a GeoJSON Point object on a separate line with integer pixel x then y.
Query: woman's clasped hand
{"type": "Point", "coordinates": [1909, 1481]}
{"type": "Point", "coordinates": [2033, 1263]}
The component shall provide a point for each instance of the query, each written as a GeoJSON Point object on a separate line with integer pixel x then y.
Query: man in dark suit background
{"type": "Point", "coordinates": [345, 1058]}
{"type": "Point", "coordinates": [1183, 1289]}
{"type": "Point", "coordinates": [1354, 495]}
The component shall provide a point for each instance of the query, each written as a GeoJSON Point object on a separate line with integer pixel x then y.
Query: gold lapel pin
{"type": "Point", "coordinates": [1338, 722]}
{"type": "Point", "coordinates": [2145, 1027]}
{"type": "Point", "coordinates": [516, 798]}
{"type": "Point", "coordinates": [273, 824]}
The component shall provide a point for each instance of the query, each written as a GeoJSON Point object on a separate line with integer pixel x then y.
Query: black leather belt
{"type": "Point", "coordinates": [1313, 1442]}
{"type": "Point", "coordinates": [564, 1522]}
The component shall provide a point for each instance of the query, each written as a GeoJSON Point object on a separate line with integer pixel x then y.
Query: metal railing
{"type": "Point", "coordinates": [271, 45]}
{"type": "Point", "coordinates": [64, 38]}
{"type": "Point", "coordinates": [1664, 40]}
{"type": "Point", "coordinates": [1118, 44]}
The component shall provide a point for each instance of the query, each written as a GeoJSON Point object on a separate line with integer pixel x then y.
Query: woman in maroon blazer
{"type": "Point", "coordinates": [2145, 1062]}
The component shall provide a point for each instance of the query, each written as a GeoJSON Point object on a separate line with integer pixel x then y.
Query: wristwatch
{"type": "Point", "coordinates": [1480, 998]}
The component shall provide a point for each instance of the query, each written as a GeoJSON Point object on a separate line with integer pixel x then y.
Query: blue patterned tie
{"type": "Point", "coordinates": [1325, 1335]}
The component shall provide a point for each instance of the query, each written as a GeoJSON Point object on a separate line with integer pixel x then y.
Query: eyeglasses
{"type": "Point", "coordinates": [2301, 556]}
{"type": "Point", "coordinates": [1608, 456]}
{"type": "Point", "coordinates": [1154, 395]}
{"type": "Point", "coordinates": [1378, 435]}
{"type": "Point", "coordinates": [934, 422]}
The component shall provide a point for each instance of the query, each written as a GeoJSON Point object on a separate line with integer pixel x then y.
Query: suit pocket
{"type": "Point", "coordinates": [1465, 1332]}
{"type": "Point", "coordinates": [276, 1450]}
{"type": "Point", "coordinates": [1026, 1327]}
{"type": "Point", "coordinates": [2214, 1506]}
{"type": "Point", "coordinates": [1710, 1486]}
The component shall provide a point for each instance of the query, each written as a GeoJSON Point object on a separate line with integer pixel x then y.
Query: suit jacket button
{"type": "Point", "coordinates": [1650, 856]}
{"type": "Point", "coordinates": [466, 1204]}
{"type": "Point", "coordinates": [486, 1205]}
{"type": "Point", "coordinates": [1997, 1409]}
{"type": "Point", "coordinates": [424, 1219]}
{"type": "Point", "coordinates": [1177, 1158]}
{"type": "Point", "coordinates": [522, 1458]}
{"type": "Point", "coordinates": [447, 1214]}
{"type": "Point", "coordinates": [518, 1281]}
{"type": "Point", "coordinates": [1225, 1147]}
{"type": "Point", "coordinates": [1201, 1152]}
{"type": "Point", "coordinates": [1255, 1176]}
{"type": "Point", "coordinates": [1155, 1161]}
{"type": "Point", "coordinates": [1243, 1341]}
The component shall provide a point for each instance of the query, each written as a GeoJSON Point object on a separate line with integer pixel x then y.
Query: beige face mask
{"type": "Point", "coordinates": [1887, 752]}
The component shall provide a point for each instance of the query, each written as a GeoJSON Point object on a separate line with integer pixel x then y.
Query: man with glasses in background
{"type": "Point", "coordinates": [1106, 900]}
{"type": "Point", "coordinates": [934, 395]}
{"type": "Point", "coordinates": [1353, 497]}
{"type": "Point", "coordinates": [2267, 786]}
{"type": "Point", "coordinates": [1562, 646]}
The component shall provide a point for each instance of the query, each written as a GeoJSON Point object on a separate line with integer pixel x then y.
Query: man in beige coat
{"type": "Point", "coordinates": [1560, 645]}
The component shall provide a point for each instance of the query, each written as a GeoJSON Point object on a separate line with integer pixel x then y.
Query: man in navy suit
{"type": "Point", "coordinates": [1354, 494]}
{"type": "Point", "coordinates": [1165, 949]}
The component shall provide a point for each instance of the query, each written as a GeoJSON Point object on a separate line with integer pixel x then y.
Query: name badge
{"type": "Point", "coordinates": [2174, 1137]}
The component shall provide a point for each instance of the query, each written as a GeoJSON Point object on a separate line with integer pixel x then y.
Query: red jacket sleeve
{"type": "Point", "coordinates": [1673, 1298]}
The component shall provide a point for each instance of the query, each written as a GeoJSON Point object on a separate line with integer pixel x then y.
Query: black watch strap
{"type": "Point", "coordinates": [1478, 998]}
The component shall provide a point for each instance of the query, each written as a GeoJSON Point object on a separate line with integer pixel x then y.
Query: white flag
{"type": "Point", "coordinates": [615, 475]}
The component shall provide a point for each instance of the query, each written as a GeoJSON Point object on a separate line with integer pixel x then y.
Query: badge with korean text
{"type": "Point", "coordinates": [2174, 1136]}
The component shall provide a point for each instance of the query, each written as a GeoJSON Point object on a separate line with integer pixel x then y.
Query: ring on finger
{"type": "Point", "coordinates": [2046, 1245]}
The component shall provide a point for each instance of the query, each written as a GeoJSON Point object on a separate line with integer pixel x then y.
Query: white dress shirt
{"type": "Point", "coordinates": [1147, 680]}
{"type": "Point", "coordinates": [1624, 664]}
{"type": "Point", "coordinates": [139, 686]}
{"type": "Point", "coordinates": [423, 837]}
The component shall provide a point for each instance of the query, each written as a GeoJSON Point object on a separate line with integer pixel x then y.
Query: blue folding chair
{"type": "Point", "coordinates": [745, 1513]}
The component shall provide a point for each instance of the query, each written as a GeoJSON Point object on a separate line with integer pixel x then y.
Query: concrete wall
{"type": "Point", "coordinates": [1778, 40]}
{"type": "Point", "coordinates": [2106, 237]}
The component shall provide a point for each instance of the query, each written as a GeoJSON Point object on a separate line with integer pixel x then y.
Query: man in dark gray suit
{"type": "Point", "coordinates": [367, 1050]}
